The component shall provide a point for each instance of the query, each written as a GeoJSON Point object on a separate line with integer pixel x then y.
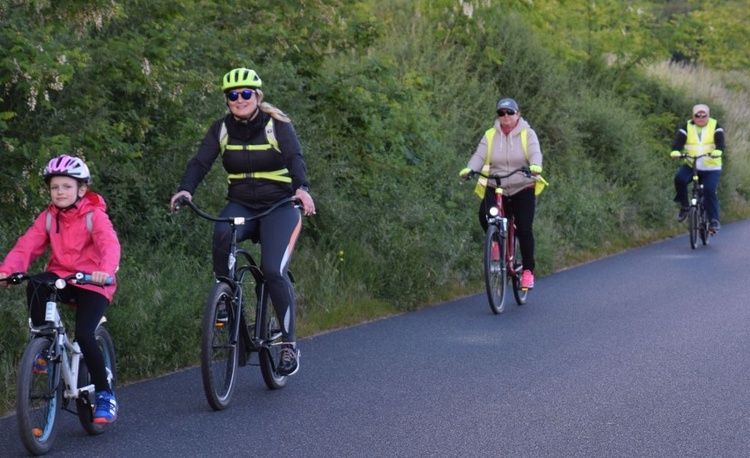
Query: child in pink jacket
{"type": "Point", "coordinates": [81, 239]}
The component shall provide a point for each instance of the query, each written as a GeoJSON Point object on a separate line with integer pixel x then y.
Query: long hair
{"type": "Point", "coordinates": [266, 107]}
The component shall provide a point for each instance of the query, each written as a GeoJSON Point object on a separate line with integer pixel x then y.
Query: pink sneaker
{"type": "Point", "coordinates": [527, 280]}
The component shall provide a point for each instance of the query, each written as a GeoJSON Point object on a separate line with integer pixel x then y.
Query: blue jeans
{"type": "Point", "coordinates": [710, 180]}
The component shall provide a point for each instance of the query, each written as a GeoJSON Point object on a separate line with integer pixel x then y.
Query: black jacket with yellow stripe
{"type": "Point", "coordinates": [253, 189]}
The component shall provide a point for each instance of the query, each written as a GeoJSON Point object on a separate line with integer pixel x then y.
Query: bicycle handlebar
{"type": "Point", "coordinates": [694, 158]}
{"type": "Point", "coordinates": [524, 170]}
{"type": "Point", "coordinates": [182, 200]}
{"type": "Point", "coordinates": [81, 278]}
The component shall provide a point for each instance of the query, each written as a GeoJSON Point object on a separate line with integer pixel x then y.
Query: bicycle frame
{"type": "Point", "coordinates": [223, 351]}
{"type": "Point", "coordinates": [69, 352]}
{"type": "Point", "coordinates": [501, 230]}
{"type": "Point", "coordinates": [698, 221]}
{"type": "Point", "coordinates": [235, 277]}
{"type": "Point", "coordinates": [63, 362]}
{"type": "Point", "coordinates": [505, 223]}
{"type": "Point", "coordinates": [507, 227]}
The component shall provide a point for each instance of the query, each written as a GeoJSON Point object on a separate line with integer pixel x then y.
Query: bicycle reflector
{"type": "Point", "coordinates": [494, 211]}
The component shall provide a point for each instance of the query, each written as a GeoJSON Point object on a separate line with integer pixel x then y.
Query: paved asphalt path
{"type": "Point", "coordinates": [640, 354]}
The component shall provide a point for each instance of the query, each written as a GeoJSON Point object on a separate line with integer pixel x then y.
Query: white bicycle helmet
{"type": "Point", "coordinates": [67, 166]}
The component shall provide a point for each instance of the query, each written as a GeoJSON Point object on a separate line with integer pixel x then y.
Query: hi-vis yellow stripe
{"type": "Point", "coordinates": [276, 175]}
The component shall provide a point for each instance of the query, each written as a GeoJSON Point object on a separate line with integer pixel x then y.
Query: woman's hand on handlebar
{"type": "Point", "coordinates": [186, 194]}
{"type": "Point", "coordinates": [308, 206]}
{"type": "Point", "coordinates": [4, 284]}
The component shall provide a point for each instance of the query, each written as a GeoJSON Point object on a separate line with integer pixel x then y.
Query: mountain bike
{"type": "Point", "coordinates": [227, 339]}
{"type": "Point", "coordinates": [502, 253]}
{"type": "Point", "coordinates": [697, 216]}
{"type": "Point", "coordinates": [52, 373]}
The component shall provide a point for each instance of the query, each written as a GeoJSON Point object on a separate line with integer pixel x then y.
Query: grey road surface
{"type": "Point", "coordinates": [640, 354]}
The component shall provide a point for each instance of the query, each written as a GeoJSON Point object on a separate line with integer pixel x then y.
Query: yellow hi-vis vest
{"type": "Point", "coordinates": [481, 186]}
{"type": "Point", "coordinates": [276, 175]}
{"type": "Point", "coordinates": [705, 143]}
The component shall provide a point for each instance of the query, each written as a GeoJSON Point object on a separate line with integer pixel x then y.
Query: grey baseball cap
{"type": "Point", "coordinates": [508, 104]}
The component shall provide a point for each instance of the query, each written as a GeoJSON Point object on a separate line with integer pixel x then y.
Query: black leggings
{"type": "Point", "coordinates": [277, 233]}
{"type": "Point", "coordinates": [522, 207]}
{"type": "Point", "coordinates": [90, 307]}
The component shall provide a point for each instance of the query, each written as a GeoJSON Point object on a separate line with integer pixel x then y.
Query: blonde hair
{"type": "Point", "coordinates": [266, 107]}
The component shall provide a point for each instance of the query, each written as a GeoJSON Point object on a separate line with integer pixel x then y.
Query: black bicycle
{"type": "Point", "coordinates": [227, 339]}
{"type": "Point", "coordinates": [52, 373]}
{"type": "Point", "coordinates": [699, 224]}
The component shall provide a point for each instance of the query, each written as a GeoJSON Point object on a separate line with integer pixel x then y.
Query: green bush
{"type": "Point", "coordinates": [389, 98]}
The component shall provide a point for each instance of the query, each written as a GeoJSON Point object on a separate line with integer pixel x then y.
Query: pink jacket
{"type": "Point", "coordinates": [73, 248]}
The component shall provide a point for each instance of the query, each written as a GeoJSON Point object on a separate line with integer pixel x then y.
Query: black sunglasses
{"type": "Point", "coordinates": [502, 113]}
{"type": "Point", "coordinates": [701, 115]}
{"type": "Point", "coordinates": [233, 96]}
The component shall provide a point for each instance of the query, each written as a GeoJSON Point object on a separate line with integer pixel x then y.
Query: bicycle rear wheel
{"type": "Point", "coordinates": [85, 406]}
{"type": "Point", "coordinates": [270, 355]}
{"type": "Point", "coordinates": [218, 353]}
{"type": "Point", "coordinates": [495, 273]}
{"type": "Point", "coordinates": [519, 293]}
{"type": "Point", "coordinates": [693, 218]}
{"type": "Point", "coordinates": [38, 397]}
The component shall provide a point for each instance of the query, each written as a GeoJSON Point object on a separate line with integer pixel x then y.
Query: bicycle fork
{"type": "Point", "coordinates": [502, 224]}
{"type": "Point", "coordinates": [69, 354]}
{"type": "Point", "coordinates": [697, 191]}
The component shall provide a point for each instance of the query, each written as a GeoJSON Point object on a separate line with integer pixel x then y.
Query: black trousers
{"type": "Point", "coordinates": [90, 307]}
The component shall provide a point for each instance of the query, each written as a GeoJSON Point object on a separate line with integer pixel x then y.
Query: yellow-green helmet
{"type": "Point", "coordinates": [240, 77]}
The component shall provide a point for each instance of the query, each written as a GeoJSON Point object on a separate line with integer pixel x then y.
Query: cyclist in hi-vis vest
{"type": "Point", "coordinates": [262, 156]}
{"type": "Point", "coordinates": [511, 143]}
{"type": "Point", "coordinates": [701, 135]}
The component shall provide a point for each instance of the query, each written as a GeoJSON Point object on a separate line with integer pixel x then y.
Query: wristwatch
{"type": "Point", "coordinates": [304, 188]}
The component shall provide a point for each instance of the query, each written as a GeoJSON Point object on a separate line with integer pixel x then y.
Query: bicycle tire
{"type": "Point", "coordinates": [520, 294]}
{"type": "Point", "coordinates": [38, 398]}
{"type": "Point", "coordinates": [693, 230]}
{"type": "Point", "coordinates": [85, 407]}
{"type": "Point", "coordinates": [270, 355]}
{"type": "Point", "coordinates": [495, 273]}
{"type": "Point", "coordinates": [218, 355]}
{"type": "Point", "coordinates": [704, 226]}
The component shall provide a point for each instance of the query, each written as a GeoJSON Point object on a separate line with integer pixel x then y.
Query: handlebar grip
{"type": "Point", "coordinates": [182, 200]}
{"type": "Point", "coordinates": [86, 278]}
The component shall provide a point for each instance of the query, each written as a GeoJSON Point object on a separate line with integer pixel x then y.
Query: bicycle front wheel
{"type": "Point", "coordinates": [85, 406]}
{"type": "Point", "coordinates": [270, 353]}
{"type": "Point", "coordinates": [704, 231]}
{"type": "Point", "coordinates": [218, 352]}
{"type": "Point", "coordinates": [519, 293]}
{"type": "Point", "coordinates": [694, 221]}
{"type": "Point", "coordinates": [38, 397]}
{"type": "Point", "coordinates": [495, 273]}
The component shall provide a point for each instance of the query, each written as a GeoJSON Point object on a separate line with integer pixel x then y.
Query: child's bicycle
{"type": "Point", "coordinates": [227, 339]}
{"type": "Point", "coordinates": [697, 216]}
{"type": "Point", "coordinates": [52, 373]}
{"type": "Point", "coordinates": [502, 255]}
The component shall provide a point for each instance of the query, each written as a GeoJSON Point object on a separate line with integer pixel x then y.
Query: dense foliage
{"type": "Point", "coordinates": [389, 98]}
